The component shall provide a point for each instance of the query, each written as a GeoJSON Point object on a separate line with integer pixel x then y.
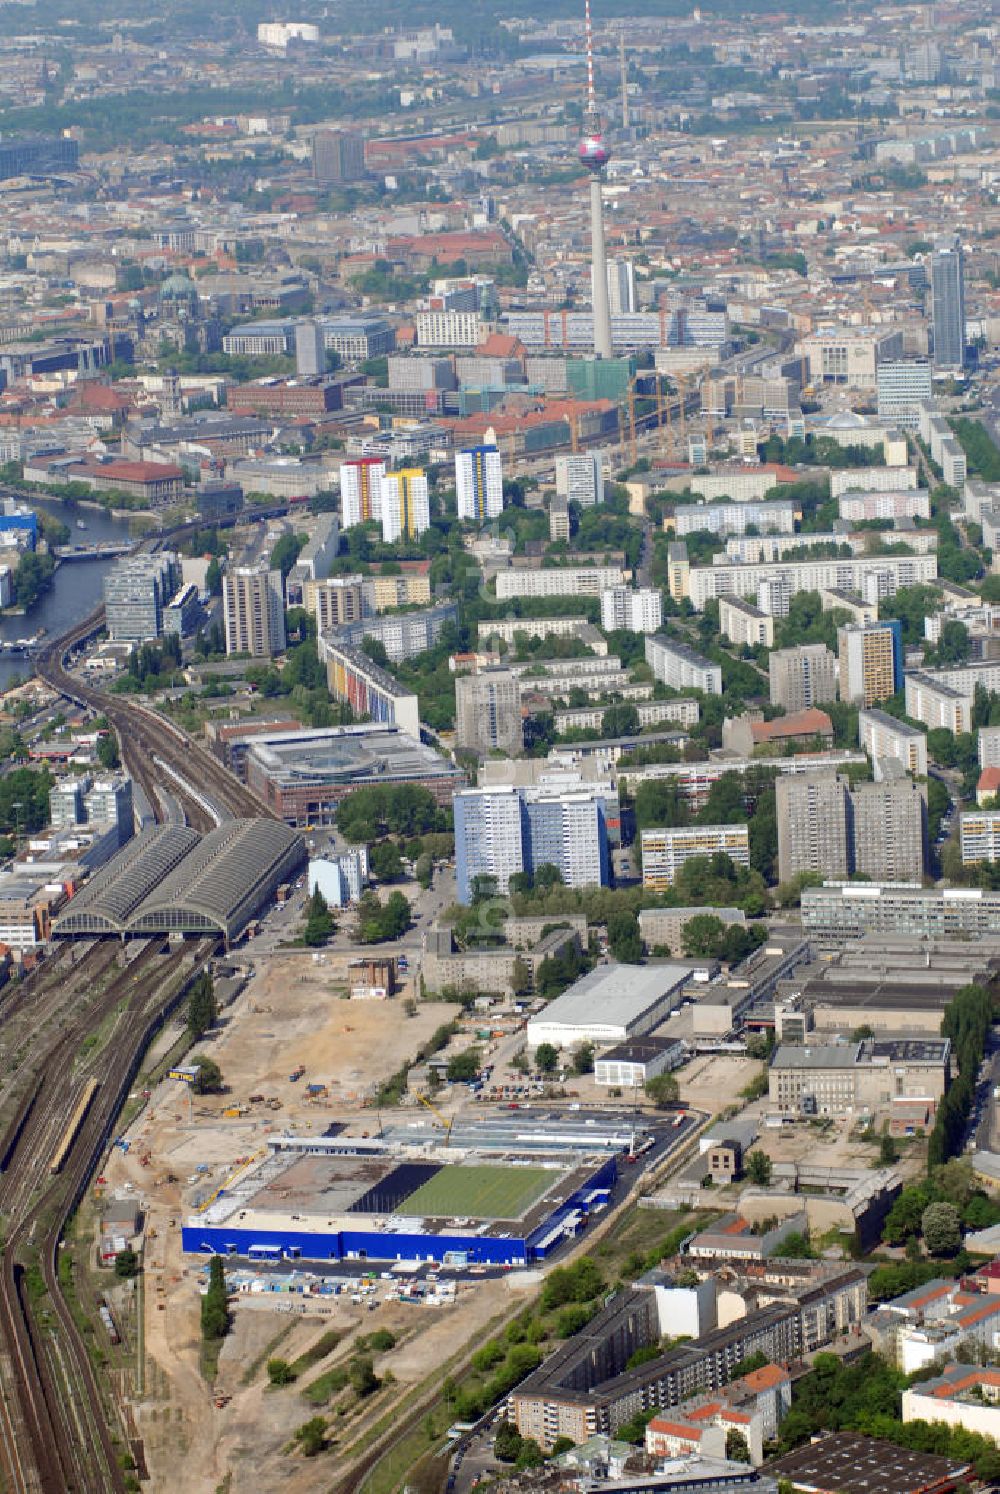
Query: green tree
{"type": "Point", "coordinates": [286, 552]}
{"type": "Point", "coordinates": [214, 1304]}
{"type": "Point", "coordinates": [624, 937]}
{"type": "Point", "coordinates": [530, 1455]}
{"type": "Point", "coordinates": [759, 1168]}
{"type": "Point", "coordinates": [546, 1058]}
{"type": "Point", "coordinates": [385, 861]}
{"type": "Point", "coordinates": [888, 1151]}
{"type": "Point", "coordinates": [663, 1090]}
{"type": "Point", "coordinates": [702, 936]}
{"type": "Point", "coordinates": [107, 751]}
{"type": "Point", "coordinates": [126, 1263]}
{"type": "Point", "coordinates": [362, 1376]}
{"type": "Point", "coordinates": [201, 1009]}
{"type": "Point", "coordinates": [311, 1436]}
{"type": "Point", "coordinates": [520, 976]}
{"type": "Point", "coordinates": [583, 1059]}
{"type": "Point", "coordinates": [905, 1216]}
{"type": "Point", "coordinates": [319, 920]}
{"type": "Point", "coordinates": [941, 1227]}
{"type": "Point", "coordinates": [280, 1372]}
{"type": "Point", "coordinates": [506, 1442]}
{"type": "Point", "coordinates": [208, 1080]}
{"type": "Point", "coordinates": [737, 1450]}
{"type": "Point", "coordinates": [463, 1067]}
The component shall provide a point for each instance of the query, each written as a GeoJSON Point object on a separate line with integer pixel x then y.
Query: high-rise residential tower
{"type": "Point", "coordinates": [621, 286]}
{"type": "Point", "coordinates": [338, 156]}
{"type": "Point", "coordinates": [405, 504]}
{"type": "Point", "coordinates": [871, 661]}
{"type": "Point", "coordinates": [594, 154]}
{"type": "Point", "coordinates": [479, 483]}
{"type": "Point", "coordinates": [488, 712]}
{"type": "Point", "coordinates": [948, 302]}
{"type": "Point", "coordinates": [813, 836]}
{"type": "Point", "coordinates": [361, 490]}
{"type": "Point", "coordinates": [254, 611]}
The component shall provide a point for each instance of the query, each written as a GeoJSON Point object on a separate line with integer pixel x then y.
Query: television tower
{"type": "Point", "coordinates": [594, 154]}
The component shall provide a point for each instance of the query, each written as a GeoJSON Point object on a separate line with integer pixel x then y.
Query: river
{"type": "Point", "coordinates": [75, 589]}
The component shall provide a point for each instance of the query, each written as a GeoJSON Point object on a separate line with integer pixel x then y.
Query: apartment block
{"type": "Point", "coordinates": [336, 600]}
{"type": "Point", "coordinates": [989, 746]}
{"type": "Point", "coordinates": [813, 832]}
{"type": "Point", "coordinates": [488, 712]}
{"type": "Point", "coordinates": [580, 478]}
{"type": "Point", "coordinates": [405, 504]}
{"type": "Point", "coordinates": [500, 831]}
{"type": "Point", "coordinates": [980, 834]}
{"type": "Point", "coordinates": [253, 600]}
{"type": "Point", "coordinates": [858, 508]}
{"type": "Point", "coordinates": [860, 609]}
{"type": "Point", "coordinates": [872, 480]}
{"type": "Point", "coordinates": [479, 484]}
{"type": "Point", "coordinates": [937, 704]}
{"type": "Point", "coordinates": [558, 581]}
{"type": "Point", "coordinates": [744, 624]}
{"type": "Point", "coordinates": [889, 829]}
{"type": "Point", "coordinates": [801, 677]}
{"type": "Point", "coordinates": [882, 736]}
{"type": "Point", "coordinates": [769, 516]}
{"type": "Point", "coordinates": [639, 611]}
{"type": "Point", "coordinates": [774, 595]}
{"type": "Point", "coordinates": [871, 662]}
{"type": "Point", "coordinates": [664, 851]}
{"type": "Point", "coordinates": [361, 490]}
{"type": "Point", "coordinates": [848, 910]}
{"type": "Point", "coordinates": [401, 634]}
{"type": "Point", "coordinates": [677, 665]}
{"type": "Point", "coordinates": [848, 572]}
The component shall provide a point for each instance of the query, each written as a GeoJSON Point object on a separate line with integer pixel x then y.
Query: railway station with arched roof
{"type": "Point", "coordinates": [107, 902]}
{"type": "Point", "coordinates": [170, 880]}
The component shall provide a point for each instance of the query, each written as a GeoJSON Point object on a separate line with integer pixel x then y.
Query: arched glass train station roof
{"type": "Point", "coordinates": [172, 880]}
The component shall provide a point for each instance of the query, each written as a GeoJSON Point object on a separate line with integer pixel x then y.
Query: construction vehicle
{"type": "Point", "coordinates": [442, 1120]}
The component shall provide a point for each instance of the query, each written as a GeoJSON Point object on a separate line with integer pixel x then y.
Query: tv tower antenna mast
{"type": "Point", "coordinates": [594, 154]}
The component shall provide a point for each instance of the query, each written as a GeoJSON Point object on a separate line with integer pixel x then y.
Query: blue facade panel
{"type": "Point", "coordinates": [379, 1245]}
{"type": "Point", "coordinates": [374, 1245]}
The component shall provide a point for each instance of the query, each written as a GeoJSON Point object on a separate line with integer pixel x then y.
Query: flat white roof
{"type": "Point", "coordinates": [613, 995]}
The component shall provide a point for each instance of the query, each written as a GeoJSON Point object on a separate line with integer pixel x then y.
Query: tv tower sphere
{"type": "Point", "coordinates": [594, 152]}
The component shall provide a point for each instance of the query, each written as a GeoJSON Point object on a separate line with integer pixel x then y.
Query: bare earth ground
{"type": "Point", "coordinates": [291, 1013]}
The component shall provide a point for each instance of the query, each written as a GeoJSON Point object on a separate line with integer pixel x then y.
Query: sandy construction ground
{"type": "Point", "coordinates": [291, 1013]}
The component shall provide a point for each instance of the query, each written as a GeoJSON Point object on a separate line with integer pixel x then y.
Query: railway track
{"type": "Point", "coordinates": [58, 1432]}
{"type": "Point", "coordinates": [144, 734]}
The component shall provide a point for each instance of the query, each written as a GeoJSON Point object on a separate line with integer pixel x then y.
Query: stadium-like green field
{"type": "Point", "coordinates": [479, 1192]}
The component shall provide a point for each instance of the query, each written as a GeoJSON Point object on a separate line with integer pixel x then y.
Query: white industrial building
{"type": "Point", "coordinates": [612, 1003]}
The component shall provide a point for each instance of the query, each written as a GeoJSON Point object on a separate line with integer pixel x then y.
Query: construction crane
{"type": "Point", "coordinates": [682, 390]}
{"type": "Point", "coordinates": [574, 429]}
{"type": "Point", "coordinates": [663, 409]}
{"type": "Point", "coordinates": [442, 1120]}
{"type": "Point", "coordinates": [631, 420]}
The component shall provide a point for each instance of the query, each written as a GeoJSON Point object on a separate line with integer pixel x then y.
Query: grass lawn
{"type": "Point", "coordinates": [480, 1192]}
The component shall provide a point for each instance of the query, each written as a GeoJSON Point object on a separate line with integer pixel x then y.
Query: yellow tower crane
{"type": "Point", "coordinates": [441, 1120]}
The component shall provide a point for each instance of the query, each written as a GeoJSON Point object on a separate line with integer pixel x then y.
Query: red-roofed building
{"type": "Point", "coordinates": [156, 483]}
{"type": "Point", "coordinates": [988, 786]}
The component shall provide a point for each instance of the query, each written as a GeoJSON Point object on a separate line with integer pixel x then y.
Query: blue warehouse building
{"type": "Point", "coordinates": [340, 1199]}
